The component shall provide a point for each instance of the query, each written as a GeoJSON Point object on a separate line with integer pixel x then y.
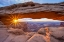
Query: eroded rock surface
{"type": "Point", "coordinates": [55, 36]}
{"type": "Point", "coordinates": [32, 7]}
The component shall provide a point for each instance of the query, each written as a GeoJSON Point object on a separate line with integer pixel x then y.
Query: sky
{"type": "Point", "coordinates": [10, 2]}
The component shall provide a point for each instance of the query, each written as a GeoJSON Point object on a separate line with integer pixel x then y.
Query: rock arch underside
{"type": "Point", "coordinates": [36, 15]}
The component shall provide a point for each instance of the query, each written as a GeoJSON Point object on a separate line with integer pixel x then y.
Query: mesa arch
{"type": "Point", "coordinates": [35, 15]}
{"type": "Point", "coordinates": [32, 10]}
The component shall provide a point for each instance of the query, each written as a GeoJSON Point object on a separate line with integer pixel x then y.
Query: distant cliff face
{"type": "Point", "coordinates": [30, 7]}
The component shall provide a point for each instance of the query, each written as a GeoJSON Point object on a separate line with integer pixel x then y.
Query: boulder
{"type": "Point", "coordinates": [31, 33]}
{"type": "Point", "coordinates": [17, 38]}
{"type": "Point", "coordinates": [58, 35]}
{"type": "Point", "coordinates": [42, 31]}
{"type": "Point", "coordinates": [36, 38]}
{"type": "Point", "coordinates": [61, 28]}
{"type": "Point", "coordinates": [16, 31]}
{"type": "Point", "coordinates": [9, 38]}
{"type": "Point", "coordinates": [20, 38]}
{"type": "Point", "coordinates": [53, 29]}
{"type": "Point", "coordinates": [3, 34]}
{"type": "Point", "coordinates": [53, 39]}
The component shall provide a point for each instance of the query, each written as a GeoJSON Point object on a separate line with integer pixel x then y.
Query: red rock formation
{"type": "Point", "coordinates": [32, 10]}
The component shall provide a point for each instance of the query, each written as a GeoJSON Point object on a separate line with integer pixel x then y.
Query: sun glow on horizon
{"type": "Point", "coordinates": [37, 20]}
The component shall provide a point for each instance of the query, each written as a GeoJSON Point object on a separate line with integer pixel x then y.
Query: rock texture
{"type": "Point", "coordinates": [37, 38]}
{"type": "Point", "coordinates": [56, 35]}
{"type": "Point", "coordinates": [3, 34]}
{"type": "Point", "coordinates": [16, 31]}
{"type": "Point", "coordinates": [2, 25]}
{"type": "Point", "coordinates": [29, 7]}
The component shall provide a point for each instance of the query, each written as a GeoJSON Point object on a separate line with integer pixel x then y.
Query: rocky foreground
{"type": "Point", "coordinates": [50, 34]}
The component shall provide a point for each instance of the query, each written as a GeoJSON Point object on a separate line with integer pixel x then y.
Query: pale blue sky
{"type": "Point", "coordinates": [48, 1]}
{"type": "Point", "coordinates": [10, 2]}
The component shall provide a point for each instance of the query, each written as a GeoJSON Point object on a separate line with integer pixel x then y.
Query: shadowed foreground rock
{"type": "Point", "coordinates": [3, 34]}
{"type": "Point", "coordinates": [16, 31]}
{"type": "Point", "coordinates": [41, 31]}
{"type": "Point", "coordinates": [37, 38]}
